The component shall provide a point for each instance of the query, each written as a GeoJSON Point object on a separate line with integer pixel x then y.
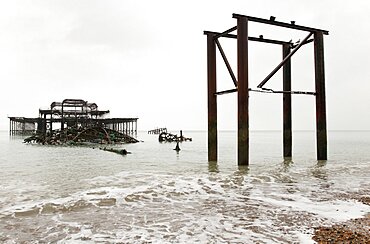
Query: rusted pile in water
{"type": "Point", "coordinates": [75, 135]}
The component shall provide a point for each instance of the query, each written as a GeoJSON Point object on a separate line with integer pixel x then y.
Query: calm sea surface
{"type": "Point", "coordinates": [86, 195]}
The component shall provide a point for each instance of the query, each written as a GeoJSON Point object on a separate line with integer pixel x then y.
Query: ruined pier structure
{"type": "Point", "coordinates": [157, 131]}
{"type": "Point", "coordinates": [68, 113]}
{"type": "Point", "coordinates": [242, 86]}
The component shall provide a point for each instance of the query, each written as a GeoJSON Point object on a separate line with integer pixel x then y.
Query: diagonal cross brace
{"type": "Point", "coordinates": [226, 62]}
{"type": "Point", "coordinates": [284, 61]}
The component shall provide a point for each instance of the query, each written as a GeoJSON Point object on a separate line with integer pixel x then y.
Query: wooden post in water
{"type": "Point", "coordinates": [287, 104]}
{"type": "Point", "coordinates": [321, 133]}
{"type": "Point", "coordinates": [243, 92]}
{"type": "Point", "coordinates": [212, 99]}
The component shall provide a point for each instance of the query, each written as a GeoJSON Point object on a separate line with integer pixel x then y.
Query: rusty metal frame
{"type": "Point", "coordinates": [268, 77]}
{"type": "Point", "coordinates": [242, 87]}
{"type": "Point", "coordinates": [228, 66]}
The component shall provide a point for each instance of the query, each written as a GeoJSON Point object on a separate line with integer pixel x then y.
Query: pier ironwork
{"type": "Point", "coordinates": [68, 113]}
{"type": "Point", "coordinates": [242, 88]}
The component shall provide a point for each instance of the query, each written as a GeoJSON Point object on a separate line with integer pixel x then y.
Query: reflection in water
{"type": "Point", "coordinates": [242, 170]}
{"type": "Point", "coordinates": [213, 167]}
{"type": "Point", "coordinates": [238, 176]}
{"type": "Point", "coordinates": [287, 164]}
{"type": "Point", "coordinates": [320, 171]}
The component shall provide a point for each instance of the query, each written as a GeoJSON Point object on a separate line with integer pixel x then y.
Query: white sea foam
{"type": "Point", "coordinates": [335, 210]}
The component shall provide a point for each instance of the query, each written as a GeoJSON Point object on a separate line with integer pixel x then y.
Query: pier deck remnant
{"type": "Point", "coordinates": [241, 84]}
{"type": "Point", "coordinates": [157, 131]}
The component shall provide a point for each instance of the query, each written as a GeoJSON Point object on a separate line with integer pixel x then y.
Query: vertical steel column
{"type": "Point", "coordinates": [212, 99]}
{"type": "Point", "coordinates": [321, 133]}
{"type": "Point", "coordinates": [287, 104]}
{"type": "Point", "coordinates": [51, 123]}
{"type": "Point", "coordinates": [243, 92]}
{"type": "Point", "coordinates": [62, 120]}
{"type": "Point", "coordinates": [45, 123]}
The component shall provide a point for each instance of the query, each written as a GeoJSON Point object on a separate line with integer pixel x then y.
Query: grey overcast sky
{"type": "Point", "coordinates": [147, 59]}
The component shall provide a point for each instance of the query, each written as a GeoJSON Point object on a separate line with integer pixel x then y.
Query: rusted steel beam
{"type": "Point", "coordinates": [268, 77]}
{"type": "Point", "coordinates": [228, 66]}
{"type": "Point", "coordinates": [270, 41]}
{"type": "Point", "coordinates": [226, 92]}
{"type": "Point", "coordinates": [225, 32]}
{"type": "Point", "coordinates": [306, 42]}
{"type": "Point", "coordinates": [287, 105]}
{"type": "Point", "coordinates": [267, 91]}
{"type": "Point", "coordinates": [243, 92]}
{"type": "Point", "coordinates": [212, 99]}
{"type": "Point", "coordinates": [281, 24]}
{"type": "Point", "coordinates": [255, 39]}
{"type": "Point", "coordinates": [321, 132]}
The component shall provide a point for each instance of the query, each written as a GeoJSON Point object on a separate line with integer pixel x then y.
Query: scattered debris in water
{"type": "Point", "coordinates": [118, 151]}
{"type": "Point", "coordinates": [168, 137]}
{"type": "Point", "coordinates": [157, 131]}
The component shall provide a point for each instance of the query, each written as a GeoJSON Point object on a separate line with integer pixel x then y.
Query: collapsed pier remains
{"type": "Point", "coordinates": [70, 113]}
{"type": "Point", "coordinates": [168, 137]}
{"type": "Point", "coordinates": [157, 131]}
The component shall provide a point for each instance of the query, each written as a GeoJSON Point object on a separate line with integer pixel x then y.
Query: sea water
{"type": "Point", "coordinates": [81, 194]}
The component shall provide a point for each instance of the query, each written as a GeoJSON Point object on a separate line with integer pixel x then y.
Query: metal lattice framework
{"type": "Point", "coordinates": [69, 113]}
{"type": "Point", "coordinates": [242, 87]}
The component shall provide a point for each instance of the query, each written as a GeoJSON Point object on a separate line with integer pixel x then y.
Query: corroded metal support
{"type": "Point", "coordinates": [243, 89]}
{"type": "Point", "coordinates": [281, 24]}
{"type": "Point", "coordinates": [287, 58]}
{"type": "Point", "coordinates": [243, 92]}
{"type": "Point", "coordinates": [228, 66]}
{"type": "Point", "coordinates": [225, 32]}
{"type": "Point", "coordinates": [250, 38]}
{"type": "Point", "coordinates": [62, 120]}
{"type": "Point", "coordinates": [287, 105]}
{"type": "Point", "coordinates": [321, 133]}
{"type": "Point", "coordinates": [44, 125]}
{"type": "Point", "coordinates": [212, 99]}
